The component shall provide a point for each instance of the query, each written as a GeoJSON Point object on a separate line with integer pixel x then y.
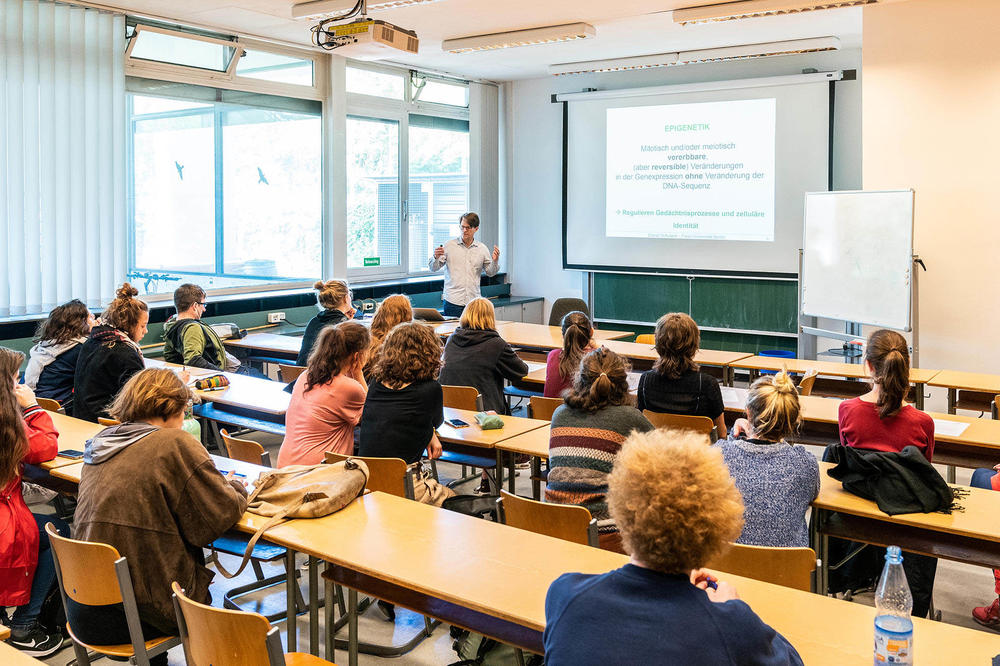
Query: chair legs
{"type": "Point", "coordinates": [229, 599]}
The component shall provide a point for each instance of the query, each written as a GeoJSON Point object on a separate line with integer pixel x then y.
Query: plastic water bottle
{"type": "Point", "coordinates": [893, 626]}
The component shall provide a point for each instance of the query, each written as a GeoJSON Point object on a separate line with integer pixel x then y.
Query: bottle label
{"type": "Point", "coordinates": [893, 641]}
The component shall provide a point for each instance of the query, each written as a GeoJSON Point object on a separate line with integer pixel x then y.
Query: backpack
{"type": "Point", "coordinates": [301, 491]}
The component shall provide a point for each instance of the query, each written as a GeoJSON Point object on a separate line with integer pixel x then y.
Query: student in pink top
{"type": "Point", "coordinates": [561, 365]}
{"type": "Point", "coordinates": [327, 398]}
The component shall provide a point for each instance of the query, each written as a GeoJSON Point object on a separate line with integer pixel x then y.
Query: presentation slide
{"type": "Point", "coordinates": [692, 171]}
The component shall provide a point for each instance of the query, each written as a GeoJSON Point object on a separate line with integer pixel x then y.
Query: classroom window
{"type": "Point", "coordinates": [373, 201]}
{"type": "Point", "coordinates": [442, 92]}
{"type": "Point", "coordinates": [275, 67]}
{"type": "Point", "coordinates": [223, 194]}
{"type": "Point", "coordinates": [170, 47]}
{"type": "Point", "coordinates": [376, 84]}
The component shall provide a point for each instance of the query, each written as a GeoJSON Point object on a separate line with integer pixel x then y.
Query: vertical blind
{"type": "Point", "coordinates": [62, 155]}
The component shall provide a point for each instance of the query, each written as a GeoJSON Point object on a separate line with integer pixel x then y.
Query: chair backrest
{"type": "Point", "coordinates": [701, 424]}
{"type": "Point", "coordinates": [245, 450]}
{"type": "Point", "coordinates": [562, 306]}
{"type": "Point", "coordinates": [387, 475]}
{"type": "Point", "coordinates": [562, 521]}
{"type": "Point", "coordinates": [289, 373]}
{"type": "Point", "coordinates": [222, 637]}
{"type": "Point", "coordinates": [542, 408]}
{"type": "Point", "coordinates": [791, 567]}
{"type": "Point", "coordinates": [107, 422]}
{"type": "Point", "coordinates": [462, 397]}
{"type": "Point", "coordinates": [645, 339]}
{"type": "Point", "coordinates": [48, 404]}
{"type": "Point", "coordinates": [807, 382]}
{"type": "Point", "coordinates": [86, 570]}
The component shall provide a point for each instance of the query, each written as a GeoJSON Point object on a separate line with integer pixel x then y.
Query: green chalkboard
{"type": "Point", "coordinates": [755, 305]}
{"type": "Point", "coordinates": [638, 297]}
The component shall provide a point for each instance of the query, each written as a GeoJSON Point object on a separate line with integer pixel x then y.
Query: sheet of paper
{"type": "Point", "coordinates": [950, 428]}
{"type": "Point", "coordinates": [734, 397]}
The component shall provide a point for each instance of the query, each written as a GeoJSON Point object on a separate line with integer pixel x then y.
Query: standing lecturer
{"type": "Point", "coordinates": [464, 259]}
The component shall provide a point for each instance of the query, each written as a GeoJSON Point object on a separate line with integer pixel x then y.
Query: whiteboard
{"type": "Point", "coordinates": [857, 257]}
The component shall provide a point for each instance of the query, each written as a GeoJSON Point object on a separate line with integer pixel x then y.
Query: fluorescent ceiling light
{"type": "Point", "coordinates": [506, 40]}
{"type": "Point", "coordinates": [788, 47]}
{"type": "Point", "coordinates": [614, 65]}
{"type": "Point", "coordinates": [316, 9]}
{"type": "Point", "coordinates": [729, 11]}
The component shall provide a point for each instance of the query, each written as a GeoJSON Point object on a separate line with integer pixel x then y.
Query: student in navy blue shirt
{"type": "Point", "coordinates": [659, 608]}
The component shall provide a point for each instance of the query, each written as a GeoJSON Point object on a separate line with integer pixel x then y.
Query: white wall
{"type": "Point", "coordinates": [534, 154]}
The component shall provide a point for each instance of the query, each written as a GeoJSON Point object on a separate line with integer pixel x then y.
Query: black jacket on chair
{"type": "Point", "coordinates": [482, 359]}
{"type": "Point", "coordinates": [903, 482]}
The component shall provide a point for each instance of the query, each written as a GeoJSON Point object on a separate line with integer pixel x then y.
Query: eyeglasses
{"type": "Point", "coordinates": [201, 303]}
{"type": "Point", "coordinates": [466, 227]}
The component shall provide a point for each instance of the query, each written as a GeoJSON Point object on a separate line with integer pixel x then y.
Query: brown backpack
{"type": "Point", "coordinates": [301, 491]}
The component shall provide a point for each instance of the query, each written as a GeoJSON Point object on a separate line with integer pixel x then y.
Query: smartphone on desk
{"type": "Point", "coordinates": [71, 453]}
{"type": "Point", "coordinates": [456, 423]}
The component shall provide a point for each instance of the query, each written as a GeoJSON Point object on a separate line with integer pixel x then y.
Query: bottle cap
{"type": "Point", "coordinates": [893, 554]}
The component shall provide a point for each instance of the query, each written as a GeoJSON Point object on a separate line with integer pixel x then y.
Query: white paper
{"type": "Point", "coordinates": [950, 428]}
{"type": "Point", "coordinates": [734, 397]}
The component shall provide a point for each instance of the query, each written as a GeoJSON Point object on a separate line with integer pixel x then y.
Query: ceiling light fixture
{"type": "Point", "coordinates": [317, 9]}
{"type": "Point", "coordinates": [729, 11]}
{"type": "Point", "coordinates": [505, 40]}
{"type": "Point", "coordinates": [789, 47]}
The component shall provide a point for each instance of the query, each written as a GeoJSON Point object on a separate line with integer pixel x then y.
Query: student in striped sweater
{"type": "Point", "coordinates": [587, 433]}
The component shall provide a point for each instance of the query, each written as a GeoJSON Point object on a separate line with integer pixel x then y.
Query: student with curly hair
{"type": "Point", "coordinates": [405, 404]}
{"type": "Point", "coordinates": [395, 309]}
{"type": "Point", "coordinates": [778, 481]}
{"type": "Point", "coordinates": [327, 398]}
{"type": "Point", "coordinates": [334, 300]}
{"type": "Point", "coordinates": [675, 385]}
{"type": "Point", "coordinates": [111, 355]}
{"type": "Point", "coordinates": [677, 508]}
{"type": "Point", "coordinates": [587, 433]}
{"type": "Point", "coordinates": [52, 361]}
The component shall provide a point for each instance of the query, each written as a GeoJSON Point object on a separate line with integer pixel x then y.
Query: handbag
{"type": "Point", "coordinates": [301, 491]}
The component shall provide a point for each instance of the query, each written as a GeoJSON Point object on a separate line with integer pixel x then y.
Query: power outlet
{"type": "Point", "coordinates": [275, 317]}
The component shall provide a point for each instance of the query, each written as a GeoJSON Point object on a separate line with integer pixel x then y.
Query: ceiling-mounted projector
{"type": "Point", "coordinates": [364, 38]}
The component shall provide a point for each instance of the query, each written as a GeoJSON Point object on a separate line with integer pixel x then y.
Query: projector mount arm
{"type": "Point", "coordinates": [330, 43]}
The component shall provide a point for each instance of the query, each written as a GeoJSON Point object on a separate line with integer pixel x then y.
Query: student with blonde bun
{"type": "Point", "coordinates": [334, 300]}
{"type": "Point", "coordinates": [778, 481]}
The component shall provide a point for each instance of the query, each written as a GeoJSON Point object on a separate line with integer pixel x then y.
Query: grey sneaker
{"type": "Point", "coordinates": [35, 494]}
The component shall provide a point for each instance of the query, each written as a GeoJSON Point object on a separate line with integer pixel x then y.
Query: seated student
{"type": "Point", "coordinates": [675, 385]}
{"type": "Point", "coordinates": [328, 397]}
{"type": "Point", "coordinates": [27, 572]}
{"type": "Point", "coordinates": [561, 364]}
{"type": "Point", "coordinates": [475, 355]}
{"type": "Point", "coordinates": [187, 340]}
{"type": "Point", "coordinates": [334, 300]}
{"type": "Point", "coordinates": [111, 355]}
{"type": "Point", "coordinates": [404, 406]}
{"type": "Point", "coordinates": [587, 433]}
{"type": "Point", "coordinates": [778, 482]}
{"type": "Point", "coordinates": [676, 508]}
{"type": "Point", "coordinates": [52, 361]}
{"type": "Point", "coordinates": [988, 616]}
{"type": "Point", "coordinates": [395, 309]}
{"type": "Point", "coordinates": [879, 420]}
{"type": "Point", "coordinates": [151, 490]}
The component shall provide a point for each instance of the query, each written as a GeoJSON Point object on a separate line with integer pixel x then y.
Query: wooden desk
{"type": "Point", "coordinates": [271, 344]}
{"type": "Point", "coordinates": [252, 394]}
{"type": "Point", "coordinates": [634, 351]}
{"type": "Point", "coordinates": [11, 656]}
{"type": "Point", "coordinates": [956, 381]}
{"type": "Point", "coordinates": [493, 579]}
{"type": "Point", "coordinates": [4, 632]}
{"type": "Point", "coordinates": [971, 536]}
{"type": "Point", "coordinates": [475, 436]}
{"type": "Point", "coordinates": [73, 434]}
{"type": "Point", "coordinates": [537, 377]}
{"type": "Point", "coordinates": [533, 335]}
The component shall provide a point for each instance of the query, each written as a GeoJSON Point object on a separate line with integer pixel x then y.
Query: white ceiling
{"type": "Point", "coordinates": [624, 28]}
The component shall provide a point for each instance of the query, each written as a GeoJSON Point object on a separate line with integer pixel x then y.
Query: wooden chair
{"type": "Point", "coordinates": [542, 408]}
{"type": "Point", "coordinates": [387, 475]}
{"type": "Point", "coordinates": [94, 574]}
{"type": "Point", "coordinates": [562, 521]}
{"type": "Point", "coordinates": [462, 397]}
{"type": "Point", "coordinates": [49, 405]}
{"type": "Point", "coordinates": [699, 424]}
{"type": "Point", "coordinates": [289, 373]}
{"type": "Point", "coordinates": [245, 450]}
{"type": "Point", "coordinates": [807, 382]}
{"type": "Point", "coordinates": [645, 339]}
{"type": "Point", "coordinates": [218, 637]}
{"type": "Point", "coordinates": [107, 422]}
{"type": "Point", "coordinates": [791, 567]}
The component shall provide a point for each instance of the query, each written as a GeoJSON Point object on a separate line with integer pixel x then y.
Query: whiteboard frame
{"type": "Point", "coordinates": [910, 306]}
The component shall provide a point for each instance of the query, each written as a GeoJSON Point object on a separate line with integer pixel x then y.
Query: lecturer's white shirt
{"type": "Point", "coordinates": [463, 266]}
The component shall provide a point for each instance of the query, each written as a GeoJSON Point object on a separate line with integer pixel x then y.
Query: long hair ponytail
{"type": "Point", "coordinates": [577, 332]}
{"type": "Point", "coordinates": [13, 436]}
{"type": "Point", "coordinates": [601, 381]}
{"type": "Point", "coordinates": [889, 356]}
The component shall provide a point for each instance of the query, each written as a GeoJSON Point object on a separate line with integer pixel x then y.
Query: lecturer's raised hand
{"type": "Point", "coordinates": [439, 252]}
{"type": "Point", "coordinates": [496, 254]}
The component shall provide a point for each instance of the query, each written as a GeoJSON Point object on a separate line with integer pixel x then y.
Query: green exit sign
{"type": "Point", "coordinates": [373, 261]}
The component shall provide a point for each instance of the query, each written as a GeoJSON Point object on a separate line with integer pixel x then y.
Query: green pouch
{"type": "Point", "coordinates": [489, 421]}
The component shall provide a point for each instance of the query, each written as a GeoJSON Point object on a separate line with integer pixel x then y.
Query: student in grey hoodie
{"type": "Point", "coordinates": [151, 490]}
{"type": "Point", "coordinates": [52, 361]}
{"type": "Point", "coordinates": [475, 355]}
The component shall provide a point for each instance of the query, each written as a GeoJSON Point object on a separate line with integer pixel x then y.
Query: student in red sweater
{"type": "Point", "coordinates": [880, 421]}
{"type": "Point", "coordinates": [27, 572]}
{"type": "Point", "coordinates": [561, 365]}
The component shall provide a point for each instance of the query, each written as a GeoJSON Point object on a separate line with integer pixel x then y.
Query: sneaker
{"type": "Point", "coordinates": [35, 494]}
{"type": "Point", "coordinates": [988, 616]}
{"type": "Point", "coordinates": [484, 489]}
{"type": "Point", "coordinates": [35, 642]}
{"type": "Point", "coordinates": [387, 609]}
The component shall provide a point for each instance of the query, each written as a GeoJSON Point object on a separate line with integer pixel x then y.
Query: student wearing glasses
{"type": "Point", "coordinates": [187, 340]}
{"type": "Point", "coordinates": [463, 259]}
